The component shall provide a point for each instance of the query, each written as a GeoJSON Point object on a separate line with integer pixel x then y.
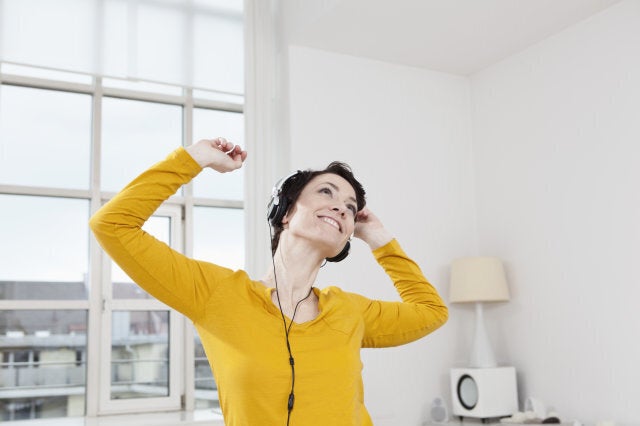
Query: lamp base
{"type": "Point", "coordinates": [481, 352]}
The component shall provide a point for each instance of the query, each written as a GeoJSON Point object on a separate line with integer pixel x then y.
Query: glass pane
{"type": "Point", "coordinates": [218, 236]}
{"type": "Point", "coordinates": [206, 390]}
{"type": "Point", "coordinates": [56, 126]}
{"type": "Point", "coordinates": [218, 45]}
{"type": "Point", "coordinates": [135, 135]}
{"type": "Point", "coordinates": [159, 25]}
{"type": "Point", "coordinates": [123, 286]}
{"type": "Point", "coordinates": [139, 354]}
{"type": "Point", "coordinates": [133, 32]}
{"type": "Point", "coordinates": [60, 34]}
{"type": "Point", "coordinates": [209, 124]}
{"type": "Point", "coordinates": [121, 38]}
{"type": "Point", "coordinates": [42, 370]}
{"type": "Point", "coordinates": [44, 248]}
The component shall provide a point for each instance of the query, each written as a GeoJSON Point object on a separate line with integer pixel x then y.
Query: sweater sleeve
{"type": "Point", "coordinates": [176, 280]}
{"type": "Point", "coordinates": [420, 312]}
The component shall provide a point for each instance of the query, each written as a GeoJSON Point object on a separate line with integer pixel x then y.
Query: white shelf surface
{"type": "Point", "coordinates": [175, 418]}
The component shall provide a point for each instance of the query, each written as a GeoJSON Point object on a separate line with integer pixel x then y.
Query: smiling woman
{"type": "Point", "coordinates": [282, 350]}
{"type": "Point", "coordinates": [327, 185]}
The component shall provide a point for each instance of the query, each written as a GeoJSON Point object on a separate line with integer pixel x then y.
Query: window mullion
{"type": "Point", "coordinates": [187, 223]}
{"type": "Point", "coordinates": [94, 385]}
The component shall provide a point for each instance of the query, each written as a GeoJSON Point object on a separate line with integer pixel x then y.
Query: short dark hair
{"type": "Point", "coordinates": [291, 188]}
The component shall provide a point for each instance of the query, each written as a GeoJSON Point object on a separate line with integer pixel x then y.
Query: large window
{"type": "Point", "coordinates": [77, 336]}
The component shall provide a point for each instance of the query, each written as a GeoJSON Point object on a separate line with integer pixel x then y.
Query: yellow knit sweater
{"type": "Point", "coordinates": [242, 330]}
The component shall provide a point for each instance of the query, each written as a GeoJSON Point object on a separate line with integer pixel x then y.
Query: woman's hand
{"type": "Point", "coordinates": [370, 230]}
{"type": "Point", "coordinates": [218, 154]}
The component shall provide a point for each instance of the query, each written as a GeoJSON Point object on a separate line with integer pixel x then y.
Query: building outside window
{"type": "Point", "coordinates": [92, 92]}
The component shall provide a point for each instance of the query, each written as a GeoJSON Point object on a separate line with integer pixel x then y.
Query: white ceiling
{"type": "Point", "coordinates": [453, 36]}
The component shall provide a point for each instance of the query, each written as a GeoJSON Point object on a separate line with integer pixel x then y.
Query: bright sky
{"type": "Point", "coordinates": [45, 141]}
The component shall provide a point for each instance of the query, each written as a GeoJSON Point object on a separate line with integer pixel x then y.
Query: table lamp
{"type": "Point", "coordinates": [478, 280]}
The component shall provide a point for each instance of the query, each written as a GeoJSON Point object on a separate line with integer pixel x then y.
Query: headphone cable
{"type": "Point", "coordinates": [287, 330]}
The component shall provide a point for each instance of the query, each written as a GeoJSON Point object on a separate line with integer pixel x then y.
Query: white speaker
{"type": "Point", "coordinates": [484, 392]}
{"type": "Point", "coordinates": [439, 413]}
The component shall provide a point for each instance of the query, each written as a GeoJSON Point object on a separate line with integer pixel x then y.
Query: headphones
{"type": "Point", "coordinates": [277, 209]}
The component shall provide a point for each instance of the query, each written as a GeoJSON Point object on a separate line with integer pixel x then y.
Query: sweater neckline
{"type": "Point", "coordinates": [275, 310]}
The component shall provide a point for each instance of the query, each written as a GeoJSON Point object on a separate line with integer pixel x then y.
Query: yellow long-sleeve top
{"type": "Point", "coordinates": [242, 330]}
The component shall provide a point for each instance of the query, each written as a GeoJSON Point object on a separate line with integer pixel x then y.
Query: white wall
{"type": "Point", "coordinates": [557, 153]}
{"type": "Point", "coordinates": [542, 151]}
{"type": "Point", "coordinates": [406, 134]}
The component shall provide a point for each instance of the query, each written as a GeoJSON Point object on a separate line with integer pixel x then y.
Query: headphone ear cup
{"type": "Point", "coordinates": [342, 255]}
{"type": "Point", "coordinates": [272, 208]}
{"type": "Point", "coordinates": [277, 210]}
{"type": "Point", "coordinates": [278, 205]}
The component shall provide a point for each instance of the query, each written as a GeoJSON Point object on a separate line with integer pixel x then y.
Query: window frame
{"type": "Point", "coordinates": [176, 322]}
{"type": "Point", "coordinates": [181, 210]}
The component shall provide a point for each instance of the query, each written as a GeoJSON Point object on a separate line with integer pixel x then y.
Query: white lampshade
{"type": "Point", "coordinates": [478, 279]}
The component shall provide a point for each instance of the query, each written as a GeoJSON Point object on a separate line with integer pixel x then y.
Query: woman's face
{"type": "Point", "coordinates": [324, 212]}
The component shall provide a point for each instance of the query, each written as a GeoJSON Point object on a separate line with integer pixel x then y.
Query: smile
{"type": "Point", "coordinates": [331, 222]}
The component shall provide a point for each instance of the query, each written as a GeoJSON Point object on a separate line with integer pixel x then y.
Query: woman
{"type": "Point", "coordinates": [282, 351]}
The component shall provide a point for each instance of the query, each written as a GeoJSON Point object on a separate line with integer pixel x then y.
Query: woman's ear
{"type": "Point", "coordinates": [287, 216]}
{"type": "Point", "coordinates": [285, 221]}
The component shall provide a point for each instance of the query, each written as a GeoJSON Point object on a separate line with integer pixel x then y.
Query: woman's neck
{"type": "Point", "coordinates": [294, 270]}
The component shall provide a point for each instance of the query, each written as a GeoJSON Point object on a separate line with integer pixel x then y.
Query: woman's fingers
{"type": "Point", "coordinates": [363, 215]}
{"type": "Point", "coordinates": [218, 154]}
{"type": "Point", "coordinates": [223, 144]}
{"type": "Point", "coordinates": [229, 148]}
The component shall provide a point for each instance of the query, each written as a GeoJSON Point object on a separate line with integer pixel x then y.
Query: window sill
{"type": "Point", "coordinates": [175, 418]}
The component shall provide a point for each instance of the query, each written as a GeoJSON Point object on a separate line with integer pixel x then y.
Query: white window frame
{"type": "Point", "coordinates": [98, 383]}
{"type": "Point", "coordinates": [176, 323]}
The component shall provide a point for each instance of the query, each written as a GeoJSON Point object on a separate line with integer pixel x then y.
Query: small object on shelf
{"type": "Point", "coordinates": [484, 393]}
{"type": "Point", "coordinates": [439, 412]}
{"type": "Point", "coordinates": [530, 418]}
{"type": "Point", "coordinates": [537, 406]}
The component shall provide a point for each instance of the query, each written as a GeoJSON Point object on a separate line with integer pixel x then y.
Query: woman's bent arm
{"type": "Point", "coordinates": [421, 311]}
{"type": "Point", "coordinates": [174, 279]}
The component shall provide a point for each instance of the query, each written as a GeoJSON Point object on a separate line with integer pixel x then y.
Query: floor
{"type": "Point", "coordinates": [182, 418]}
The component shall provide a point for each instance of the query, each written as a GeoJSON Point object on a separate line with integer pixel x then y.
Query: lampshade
{"type": "Point", "coordinates": [478, 279]}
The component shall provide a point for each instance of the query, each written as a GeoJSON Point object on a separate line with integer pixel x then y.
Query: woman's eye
{"type": "Point", "coordinates": [326, 191]}
{"type": "Point", "coordinates": [353, 210]}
